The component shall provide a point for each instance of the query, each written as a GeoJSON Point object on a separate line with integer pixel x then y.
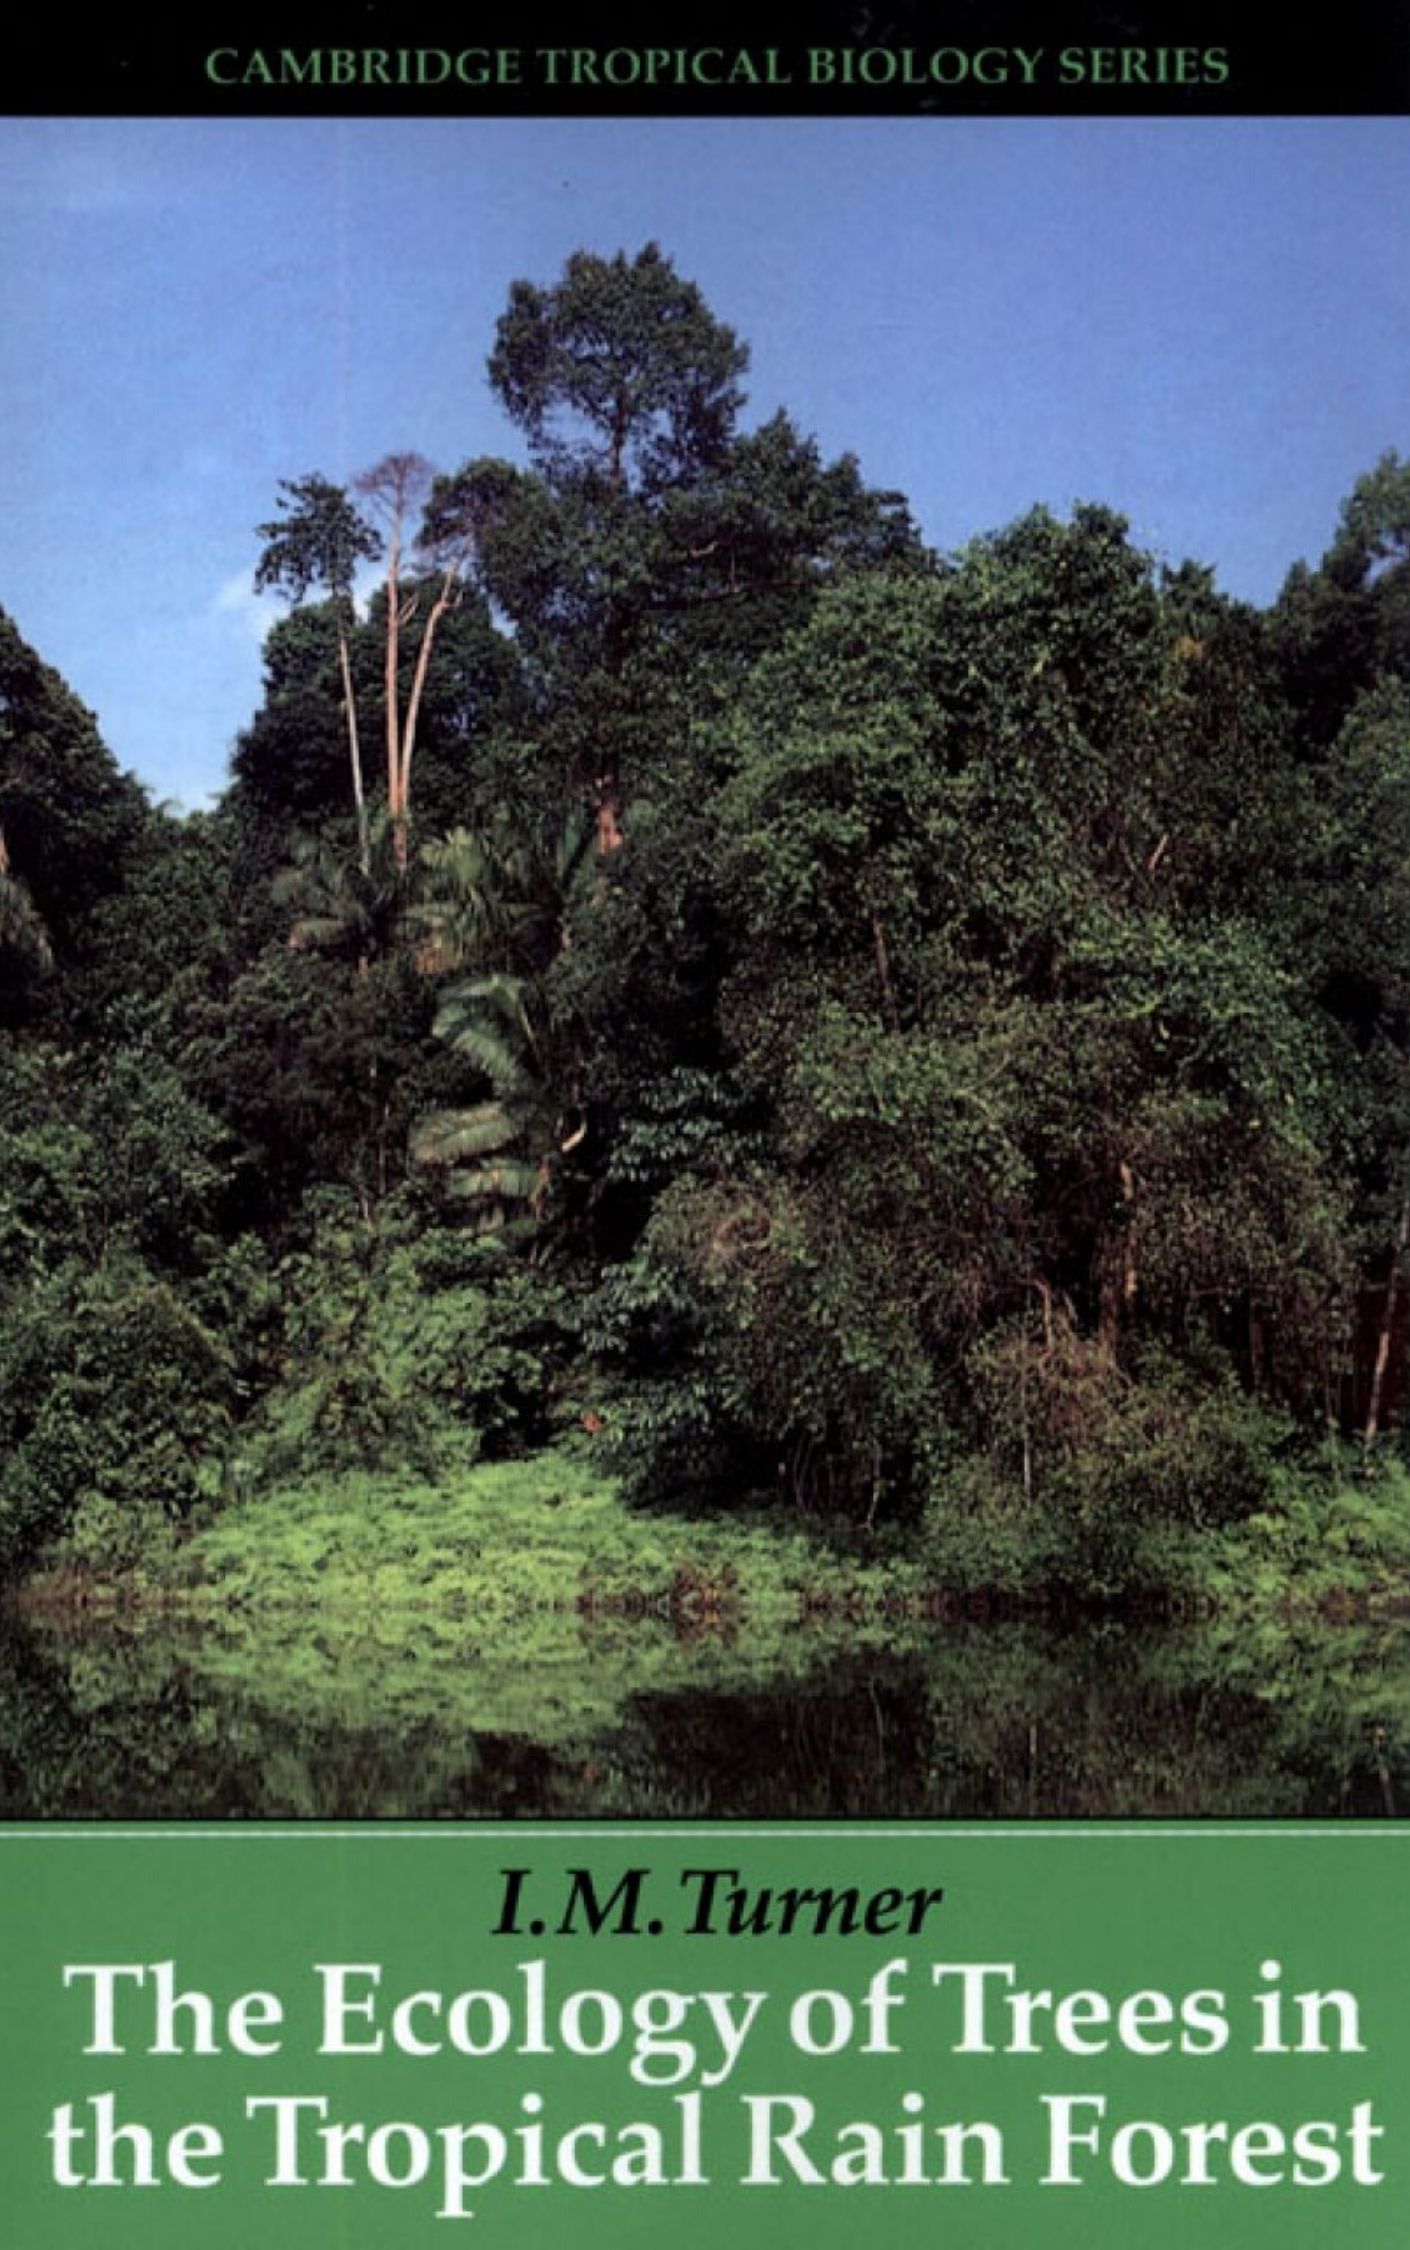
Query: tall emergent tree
{"type": "Point", "coordinates": [318, 541]}
{"type": "Point", "coordinates": [397, 489]}
{"type": "Point", "coordinates": [645, 520]}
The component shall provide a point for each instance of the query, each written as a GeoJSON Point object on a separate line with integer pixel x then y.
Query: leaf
{"type": "Point", "coordinates": [451, 1136]}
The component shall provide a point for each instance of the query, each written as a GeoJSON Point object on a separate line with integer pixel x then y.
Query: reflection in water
{"type": "Point", "coordinates": [627, 1719]}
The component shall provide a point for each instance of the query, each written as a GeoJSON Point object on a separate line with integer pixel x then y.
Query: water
{"type": "Point", "coordinates": [558, 1717]}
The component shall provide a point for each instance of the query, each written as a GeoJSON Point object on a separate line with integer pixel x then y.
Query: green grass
{"type": "Point", "coordinates": [495, 1540]}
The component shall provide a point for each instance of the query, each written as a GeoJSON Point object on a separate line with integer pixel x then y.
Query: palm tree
{"type": "Point", "coordinates": [494, 907]}
{"type": "Point", "coordinates": [494, 1154]}
{"type": "Point", "coordinates": [353, 913]}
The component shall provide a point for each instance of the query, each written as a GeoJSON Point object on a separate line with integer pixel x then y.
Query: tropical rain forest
{"type": "Point", "coordinates": [747, 1165]}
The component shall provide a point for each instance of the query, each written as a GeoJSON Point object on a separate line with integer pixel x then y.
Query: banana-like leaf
{"type": "Point", "coordinates": [456, 1136]}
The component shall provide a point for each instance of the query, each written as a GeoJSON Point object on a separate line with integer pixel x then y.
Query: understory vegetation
{"type": "Point", "coordinates": [692, 988]}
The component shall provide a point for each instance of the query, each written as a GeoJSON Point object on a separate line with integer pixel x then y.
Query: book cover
{"type": "Point", "coordinates": [703, 971]}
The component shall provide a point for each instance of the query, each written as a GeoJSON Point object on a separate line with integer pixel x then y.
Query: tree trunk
{"type": "Point", "coordinates": [364, 847]}
{"type": "Point", "coordinates": [606, 826]}
{"type": "Point", "coordinates": [1120, 1279]}
{"type": "Point", "coordinates": [390, 684]}
{"type": "Point", "coordinates": [1383, 1341]}
{"type": "Point", "coordinates": [401, 804]}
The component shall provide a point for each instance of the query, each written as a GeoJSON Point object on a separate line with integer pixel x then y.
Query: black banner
{"type": "Point", "coordinates": [970, 57]}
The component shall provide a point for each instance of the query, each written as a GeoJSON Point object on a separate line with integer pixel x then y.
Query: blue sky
{"type": "Point", "coordinates": [1205, 324]}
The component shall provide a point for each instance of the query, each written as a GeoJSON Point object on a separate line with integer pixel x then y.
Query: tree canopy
{"type": "Point", "coordinates": [913, 1035]}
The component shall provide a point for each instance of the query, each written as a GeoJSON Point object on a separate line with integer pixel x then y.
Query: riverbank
{"type": "Point", "coordinates": [497, 1540]}
{"type": "Point", "coordinates": [551, 1533]}
{"type": "Point", "coordinates": [514, 1640]}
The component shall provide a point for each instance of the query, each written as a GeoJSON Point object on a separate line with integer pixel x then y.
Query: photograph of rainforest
{"type": "Point", "coordinates": [705, 969]}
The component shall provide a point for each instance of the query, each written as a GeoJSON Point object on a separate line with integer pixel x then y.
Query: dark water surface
{"type": "Point", "coordinates": [562, 1717]}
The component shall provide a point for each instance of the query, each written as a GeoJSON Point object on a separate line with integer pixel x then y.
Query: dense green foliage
{"type": "Point", "coordinates": [921, 1039]}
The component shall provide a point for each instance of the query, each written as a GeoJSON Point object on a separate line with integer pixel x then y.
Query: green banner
{"type": "Point", "coordinates": [737, 2034]}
